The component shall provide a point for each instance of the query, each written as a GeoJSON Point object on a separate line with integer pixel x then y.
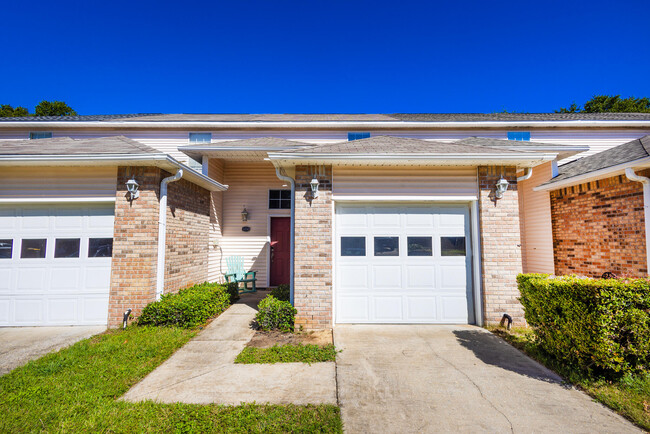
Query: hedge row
{"type": "Point", "coordinates": [598, 325]}
{"type": "Point", "coordinates": [188, 307]}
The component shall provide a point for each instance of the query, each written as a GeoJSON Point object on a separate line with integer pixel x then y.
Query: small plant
{"type": "Point", "coordinates": [233, 291]}
{"type": "Point", "coordinates": [274, 314]}
{"type": "Point", "coordinates": [282, 292]}
{"type": "Point", "coordinates": [188, 307]}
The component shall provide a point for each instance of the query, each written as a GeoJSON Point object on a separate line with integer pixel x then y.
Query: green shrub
{"type": "Point", "coordinates": [282, 292]}
{"type": "Point", "coordinates": [274, 314]}
{"type": "Point", "coordinates": [600, 326]}
{"type": "Point", "coordinates": [233, 291]}
{"type": "Point", "coordinates": [188, 307]}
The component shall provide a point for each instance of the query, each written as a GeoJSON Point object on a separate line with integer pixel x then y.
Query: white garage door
{"type": "Point", "coordinates": [55, 264]}
{"type": "Point", "coordinates": [403, 264]}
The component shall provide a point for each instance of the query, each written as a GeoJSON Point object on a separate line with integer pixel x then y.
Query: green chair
{"type": "Point", "coordinates": [237, 273]}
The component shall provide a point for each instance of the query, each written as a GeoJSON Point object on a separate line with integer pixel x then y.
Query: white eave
{"type": "Point", "coordinates": [162, 161]}
{"type": "Point", "coordinates": [607, 172]}
{"type": "Point", "coordinates": [518, 160]}
{"type": "Point", "coordinates": [341, 125]}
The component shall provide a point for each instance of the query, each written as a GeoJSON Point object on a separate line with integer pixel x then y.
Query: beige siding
{"type": "Point", "coordinates": [215, 171]}
{"type": "Point", "coordinates": [404, 181]}
{"type": "Point", "coordinates": [249, 184]}
{"type": "Point", "coordinates": [57, 182]}
{"type": "Point", "coordinates": [535, 211]}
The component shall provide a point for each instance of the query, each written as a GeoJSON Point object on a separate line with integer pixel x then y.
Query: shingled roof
{"type": "Point", "coordinates": [625, 153]}
{"type": "Point", "coordinates": [67, 146]}
{"type": "Point", "coordinates": [388, 145]}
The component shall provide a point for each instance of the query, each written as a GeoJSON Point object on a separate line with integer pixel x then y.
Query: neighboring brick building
{"type": "Point", "coordinates": [598, 217]}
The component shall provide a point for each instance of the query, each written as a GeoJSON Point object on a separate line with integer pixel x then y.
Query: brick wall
{"type": "Point", "coordinates": [313, 249]}
{"type": "Point", "coordinates": [135, 240]}
{"type": "Point", "coordinates": [500, 245]}
{"type": "Point", "coordinates": [600, 226]}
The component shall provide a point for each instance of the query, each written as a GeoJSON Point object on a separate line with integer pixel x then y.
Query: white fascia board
{"type": "Point", "coordinates": [94, 199]}
{"type": "Point", "coordinates": [388, 198]}
{"type": "Point", "coordinates": [195, 125]}
{"type": "Point", "coordinates": [162, 161]}
{"type": "Point", "coordinates": [607, 172]}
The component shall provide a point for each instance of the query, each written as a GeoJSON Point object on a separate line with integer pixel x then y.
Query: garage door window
{"type": "Point", "coordinates": [452, 246]}
{"type": "Point", "coordinates": [32, 249]}
{"type": "Point", "coordinates": [67, 248]}
{"type": "Point", "coordinates": [386, 246]}
{"type": "Point", "coordinates": [420, 246]}
{"type": "Point", "coordinates": [353, 246]}
{"type": "Point", "coordinates": [5, 248]}
{"type": "Point", "coordinates": [100, 247]}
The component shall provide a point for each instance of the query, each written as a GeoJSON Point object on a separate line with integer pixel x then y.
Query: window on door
{"type": "Point", "coordinates": [279, 199]}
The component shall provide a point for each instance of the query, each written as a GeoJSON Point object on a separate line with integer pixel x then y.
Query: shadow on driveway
{"type": "Point", "coordinates": [494, 351]}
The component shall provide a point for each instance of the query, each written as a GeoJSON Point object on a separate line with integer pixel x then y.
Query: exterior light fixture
{"type": "Point", "coordinates": [502, 186]}
{"type": "Point", "coordinates": [244, 214]}
{"type": "Point", "coordinates": [132, 187]}
{"type": "Point", "coordinates": [314, 187]}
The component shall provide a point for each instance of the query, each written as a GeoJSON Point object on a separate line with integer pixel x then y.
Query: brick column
{"type": "Point", "coordinates": [313, 249]}
{"type": "Point", "coordinates": [135, 244]}
{"type": "Point", "coordinates": [500, 245]}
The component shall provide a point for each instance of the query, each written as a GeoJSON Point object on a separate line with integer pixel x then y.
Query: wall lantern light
{"type": "Point", "coordinates": [132, 187]}
{"type": "Point", "coordinates": [314, 187]}
{"type": "Point", "coordinates": [244, 214]}
{"type": "Point", "coordinates": [502, 186]}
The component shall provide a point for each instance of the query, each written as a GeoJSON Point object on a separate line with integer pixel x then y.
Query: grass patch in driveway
{"type": "Point", "coordinates": [288, 353]}
{"type": "Point", "coordinates": [76, 390]}
{"type": "Point", "coordinates": [629, 396]}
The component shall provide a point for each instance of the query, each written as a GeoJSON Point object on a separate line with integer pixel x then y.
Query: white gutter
{"type": "Point", "coordinates": [162, 232]}
{"type": "Point", "coordinates": [597, 174]}
{"type": "Point", "coordinates": [414, 156]}
{"type": "Point", "coordinates": [293, 228]}
{"type": "Point", "coordinates": [527, 175]}
{"type": "Point", "coordinates": [192, 125]}
{"type": "Point", "coordinates": [632, 176]}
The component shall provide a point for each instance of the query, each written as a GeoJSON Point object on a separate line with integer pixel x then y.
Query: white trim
{"type": "Point", "coordinates": [607, 172]}
{"type": "Point", "coordinates": [58, 200]}
{"type": "Point", "coordinates": [476, 262]}
{"type": "Point", "coordinates": [339, 198]}
{"type": "Point", "coordinates": [199, 125]}
{"type": "Point", "coordinates": [415, 156]}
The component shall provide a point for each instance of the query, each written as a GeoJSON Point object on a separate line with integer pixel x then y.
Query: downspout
{"type": "Point", "coordinates": [293, 227]}
{"type": "Point", "coordinates": [162, 232]}
{"type": "Point", "coordinates": [527, 175]}
{"type": "Point", "coordinates": [632, 176]}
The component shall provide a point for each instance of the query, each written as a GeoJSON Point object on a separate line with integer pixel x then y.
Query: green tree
{"type": "Point", "coordinates": [7, 111]}
{"type": "Point", "coordinates": [610, 104]}
{"type": "Point", "coordinates": [54, 108]}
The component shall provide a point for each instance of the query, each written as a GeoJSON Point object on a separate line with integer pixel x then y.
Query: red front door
{"type": "Point", "coordinates": [280, 250]}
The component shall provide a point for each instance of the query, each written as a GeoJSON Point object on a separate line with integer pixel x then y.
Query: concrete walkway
{"type": "Point", "coordinates": [19, 345]}
{"type": "Point", "coordinates": [423, 378]}
{"type": "Point", "coordinates": [203, 371]}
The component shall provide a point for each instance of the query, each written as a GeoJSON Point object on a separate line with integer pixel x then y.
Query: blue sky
{"type": "Point", "coordinates": [248, 56]}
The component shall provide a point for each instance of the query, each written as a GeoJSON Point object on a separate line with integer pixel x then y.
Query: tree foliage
{"type": "Point", "coordinates": [7, 111]}
{"type": "Point", "coordinates": [54, 108]}
{"type": "Point", "coordinates": [44, 108]}
{"type": "Point", "coordinates": [610, 104]}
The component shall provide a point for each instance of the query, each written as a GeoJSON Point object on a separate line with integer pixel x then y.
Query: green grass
{"type": "Point", "coordinates": [629, 396]}
{"type": "Point", "coordinates": [75, 390]}
{"type": "Point", "coordinates": [288, 353]}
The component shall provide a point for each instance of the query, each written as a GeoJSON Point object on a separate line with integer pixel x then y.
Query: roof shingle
{"type": "Point", "coordinates": [67, 146]}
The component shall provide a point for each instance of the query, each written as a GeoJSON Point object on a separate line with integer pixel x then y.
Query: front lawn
{"type": "Point", "coordinates": [288, 353]}
{"type": "Point", "coordinates": [76, 390]}
{"type": "Point", "coordinates": [629, 396]}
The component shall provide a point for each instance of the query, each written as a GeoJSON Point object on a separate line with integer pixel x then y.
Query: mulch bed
{"type": "Point", "coordinates": [267, 339]}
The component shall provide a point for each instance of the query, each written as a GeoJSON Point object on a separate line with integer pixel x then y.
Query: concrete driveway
{"type": "Point", "coordinates": [423, 378]}
{"type": "Point", "coordinates": [19, 345]}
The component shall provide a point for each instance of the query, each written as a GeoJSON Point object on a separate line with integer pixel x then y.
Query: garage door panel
{"type": "Point", "coordinates": [414, 283]}
{"type": "Point", "coordinates": [353, 309]}
{"type": "Point", "coordinates": [386, 277]}
{"type": "Point", "coordinates": [387, 308]}
{"type": "Point", "coordinates": [53, 290]}
{"type": "Point", "coordinates": [421, 308]}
